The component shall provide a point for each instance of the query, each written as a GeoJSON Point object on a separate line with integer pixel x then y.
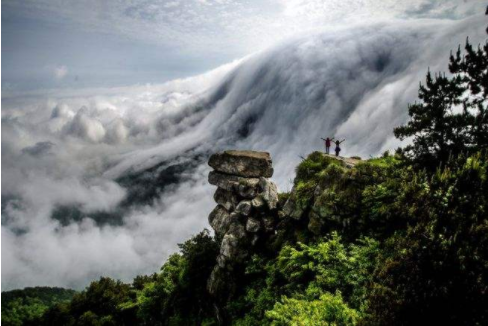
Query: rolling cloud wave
{"type": "Point", "coordinates": [73, 150]}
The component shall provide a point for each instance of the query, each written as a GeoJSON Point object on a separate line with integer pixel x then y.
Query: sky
{"type": "Point", "coordinates": [102, 100]}
{"type": "Point", "coordinates": [78, 44]}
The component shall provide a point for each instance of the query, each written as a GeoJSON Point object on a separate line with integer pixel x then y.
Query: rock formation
{"type": "Point", "coordinates": [246, 213]}
{"type": "Point", "coordinates": [248, 164]}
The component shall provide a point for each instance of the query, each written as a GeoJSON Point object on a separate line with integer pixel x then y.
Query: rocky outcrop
{"type": "Point", "coordinates": [248, 164]}
{"type": "Point", "coordinates": [246, 213]}
{"type": "Point", "coordinates": [316, 203]}
{"type": "Point", "coordinates": [292, 208]}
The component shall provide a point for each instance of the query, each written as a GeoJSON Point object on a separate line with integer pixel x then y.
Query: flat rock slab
{"type": "Point", "coordinates": [248, 164]}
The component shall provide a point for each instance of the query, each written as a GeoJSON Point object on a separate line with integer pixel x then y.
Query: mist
{"type": "Point", "coordinates": [91, 151]}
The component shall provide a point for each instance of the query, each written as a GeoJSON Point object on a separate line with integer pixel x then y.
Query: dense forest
{"type": "Point", "coordinates": [21, 307]}
{"type": "Point", "coordinates": [400, 239]}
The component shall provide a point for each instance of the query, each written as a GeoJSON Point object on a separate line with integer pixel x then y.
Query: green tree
{"type": "Point", "coordinates": [435, 272]}
{"type": "Point", "coordinates": [21, 307]}
{"type": "Point", "coordinates": [451, 116]}
{"type": "Point", "coordinates": [472, 70]}
{"type": "Point", "coordinates": [178, 294]}
{"type": "Point", "coordinates": [329, 309]}
{"type": "Point", "coordinates": [102, 303]}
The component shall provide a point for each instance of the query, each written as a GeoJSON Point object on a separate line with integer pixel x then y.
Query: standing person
{"type": "Point", "coordinates": [338, 149]}
{"type": "Point", "coordinates": [328, 141]}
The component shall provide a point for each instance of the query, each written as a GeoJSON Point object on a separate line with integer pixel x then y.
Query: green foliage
{"type": "Point", "coordinates": [311, 171]}
{"type": "Point", "coordinates": [395, 240]}
{"type": "Point", "coordinates": [153, 299]}
{"type": "Point", "coordinates": [330, 266]}
{"type": "Point", "coordinates": [329, 309]}
{"type": "Point", "coordinates": [314, 164]}
{"type": "Point", "coordinates": [262, 289]}
{"type": "Point", "coordinates": [179, 296]}
{"type": "Point", "coordinates": [431, 229]}
{"type": "Point", "coordinates": [21, 307]}
{"type": "Point", "coordinates": [397, 245]}
{"type": "Point", "coordinates": [385, 161]}
{"type": "Point", "coordinates": [451, 117]}
{"type": "Point", "coordinates": [340, 198]}
{"type": "Point", "coordinates": [437, 270]}
{"type": "Point", "coordinates": [305, 276]}
{"type": "Point", "coordinates": [282, 198]}
{"type": "Point", "coordinates": [472, 71]}
{"type": "Point", "coordinates": [99, 304]}
{"type": "Point", "coordinates": [175, 296]}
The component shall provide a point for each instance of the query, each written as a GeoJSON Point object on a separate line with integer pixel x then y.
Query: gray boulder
{"type": "Point", "coordinates": [246, 214]}
{"type": "Point", "coordinates": [224, 181]}
{"type": "Point", "coordinates": [292, 207]}
{"type": "Point", "coordinates": [228, 250]}
{"type": "Point", "coordinates": [226, 198]}
{"type": "Point", "coordinates": [219, 220]}
{"type": "Point", "coordinates": [239, 231]}
{"type": "Point", "coordinates": [269, 192]}
{"type": "Point", "coordinates": [244, 208]}
{"type": "Point", "coordinates": [217, 282]}
{"type": "Point", "coordinates": [246, 187]}
{"type": "Point", "coordinates": [257, 202]}
{"type": "Point", "coordinates": [249, 164]}
{"type": "Point", "coordinates": [234, 247]}
{"type": "Point", "coordinates": [253, 225]}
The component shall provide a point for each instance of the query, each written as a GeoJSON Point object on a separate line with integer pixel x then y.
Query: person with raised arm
{"type": "Point", "coordinates": [327, 141]}
{"type": "Point", "coordinates": [338, 149]}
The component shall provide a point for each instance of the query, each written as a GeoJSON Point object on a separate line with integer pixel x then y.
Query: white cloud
{"type": "Point", "coordinates": [354, 83]}
{"type": "Point", "coordinates": [60, 72]}
{"type": "Point", "coordinates": [233, 26]}
{"type": "Point", "coordinates": [85, 127]}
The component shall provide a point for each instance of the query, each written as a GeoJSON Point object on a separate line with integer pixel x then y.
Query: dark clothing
{"type": "Point", "coordinates": [327, 145]}
{"type": "Point", "coordinates": [337, 149]}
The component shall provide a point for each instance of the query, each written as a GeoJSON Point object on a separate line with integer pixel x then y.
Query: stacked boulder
{"type": "Point", "coordinates": [246, 211]}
